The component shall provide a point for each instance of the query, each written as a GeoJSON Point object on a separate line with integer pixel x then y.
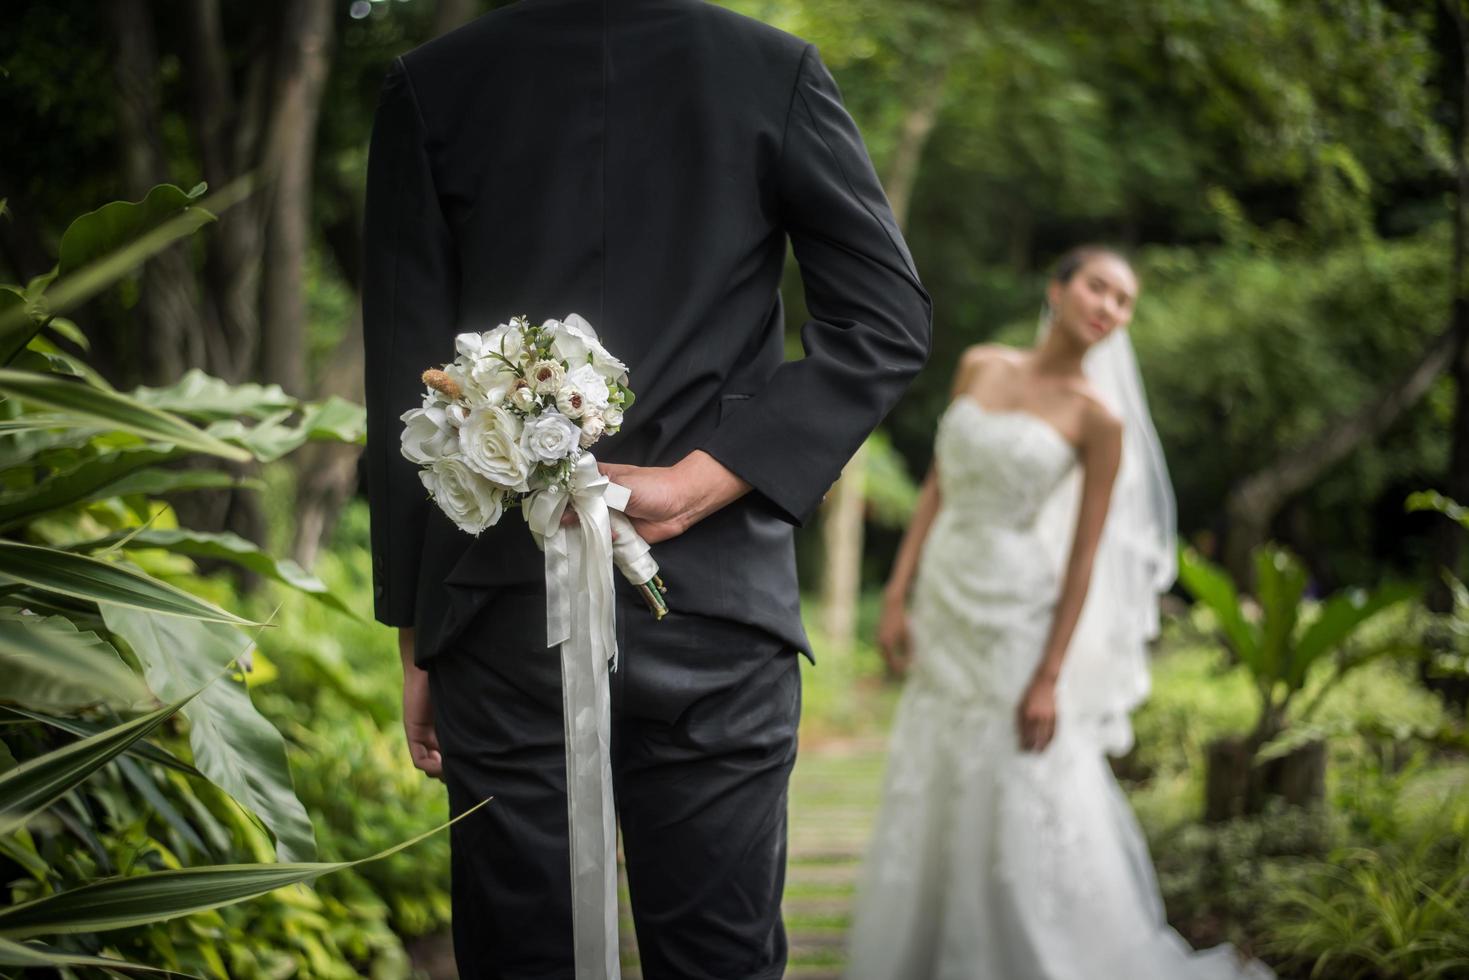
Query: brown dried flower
{"type": "Point", "coordinates": [441, 382]}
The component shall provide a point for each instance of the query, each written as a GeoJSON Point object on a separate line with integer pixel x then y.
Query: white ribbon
{"type": "Point", "coordinates": [579, 560]}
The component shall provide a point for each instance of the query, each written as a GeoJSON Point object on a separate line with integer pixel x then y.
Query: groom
{"type": "Point", "coordinates": [643, 163]}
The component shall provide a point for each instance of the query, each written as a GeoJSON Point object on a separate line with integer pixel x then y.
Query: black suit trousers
{"type": "Point", "coordinates": [704, 719]}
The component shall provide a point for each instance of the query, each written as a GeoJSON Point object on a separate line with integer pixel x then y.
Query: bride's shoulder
{"type": "Point", "coordinates": [985, 359]}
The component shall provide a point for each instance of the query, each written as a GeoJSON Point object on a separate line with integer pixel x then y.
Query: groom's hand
{"type": "Point", "coordinates": [418, 712]}
{"type": "Point", "coordinates": [668, 500]}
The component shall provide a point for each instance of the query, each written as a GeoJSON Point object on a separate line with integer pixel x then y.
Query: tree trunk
{"type": "Point", "coordinates": [168, 304]}
{"type": "Point", "coordinates": [1236, 785]}
{"type": "Point", "coordinates": [843, 513]}
{"type": "Point", "coordinates": [232, 263]}
{"type": "Point", "coordinates": [305, 57]}
{"type": "Point", "coordinates": [1255, 500]}
{"type": "Point", "coordinates": [327, 472]}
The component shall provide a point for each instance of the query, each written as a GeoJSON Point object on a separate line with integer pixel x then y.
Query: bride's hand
{"type": "Point", "coordinates": [892, 636]}
{"type": "Point", "coordinates": [1036, 717]}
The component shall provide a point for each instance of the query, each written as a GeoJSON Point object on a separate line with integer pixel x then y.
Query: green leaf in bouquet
{"type": "Point", "coordinates": [37, 783]}
{"type": "Point", "coordinates": [117, 903]}
{"type": "Point", "coordinates": [226, 547]}
{"type": "Point", "coordinates": [104, 582]}
{"type": "Point", "coordinates": [50, 665]}
{"type": "Point", "coordinates": [86, 729]}
{"type": "Point", "coordinates": [38, 954]}
{"type": "Point", "coordinates": [234, 745]}
{"type": "Point", "coordinates": [113, 409]}
{"type": "Point", "coordinates": [199, 396]}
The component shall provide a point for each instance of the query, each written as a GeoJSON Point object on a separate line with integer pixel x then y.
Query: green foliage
{"type": "Point", "coordinates": [1397, 910]}
{"type": "Point", "coordinates": [92, 638]}
{"type": "Point", "coordinates": [1277, 648]}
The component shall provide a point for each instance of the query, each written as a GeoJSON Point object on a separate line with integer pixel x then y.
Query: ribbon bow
{"type": "Point", "coordinates": [579, 559]}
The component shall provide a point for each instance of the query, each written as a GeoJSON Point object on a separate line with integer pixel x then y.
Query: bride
{"type": "Point", "coordinates": [1005, 849]}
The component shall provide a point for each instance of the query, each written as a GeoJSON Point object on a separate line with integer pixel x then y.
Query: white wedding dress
{"type": "Point", "coordinates": [987, 862]}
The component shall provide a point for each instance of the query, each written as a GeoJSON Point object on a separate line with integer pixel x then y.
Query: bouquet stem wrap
{"type": "Point", "coordinates": [581, 616]}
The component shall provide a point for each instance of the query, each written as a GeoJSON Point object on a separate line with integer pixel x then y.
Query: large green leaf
{"type": "Point", "coordinates": [89, 480]}
{"type": "Point", "coordinates": [105, 583]}
{"type": "Point", "coordinates": [1210, 585]}
{"type": "Point", "coordinates": [234, 745]}
{"type": "Point", "coordinates": [117, 903]}
{"type": "Point", "coordinates": [115, 225]}
{"type": "Point", "coordinates": [334, 420]}
{"type": "Point", "coordinates": [36, 783]}
{"type": "Point", "coordinates": [226, 547]}
{"type": "Point", "coordinates": [86, 729]}
{"type": "Point", "coordinates": [51, 666]}
{"type": "Point", "coordinates": [26, 954]}
{"type": "Point", "coordinates": [153, 482]}
{"type": "Point", "coordinates": [116, 411]}
{"type": "Point", "coordinates": [1340, 617]}
{"type": "Point", "coordinates": [99, 240]}
{"type": "Point", "coordinates": [1280, 581]}
{"type": "Point", "coordinates": [200, 396]}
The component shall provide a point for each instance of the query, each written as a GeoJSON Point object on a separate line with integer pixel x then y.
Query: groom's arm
{"type": "Point", "coordinates": [871, 318]}
{"type": "Point", "coordinates": [408, 299]}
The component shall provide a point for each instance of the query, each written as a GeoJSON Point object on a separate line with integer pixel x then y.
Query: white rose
{"type": "Point", "coordinates": [494, 378]}
{"type": "Point", "coordinates": [549, 437]}
{"type": "Point", "coordinates": [571, 402]}
{"type": "Point", "coordinates": [465, 497]}
{"type": "Point", "coordinates": [470, 345]}
{"type": "Point", "coordinates": [506, 340]}
{"type": "Point", "coordinates": [585, 379]}
{"type": "Point", "coordinates": [470, 391]}
{"type": "Point", "coordinates": [591, 429]}
{"type": "Point", "coordinates": [613, 417]}
{"type": "Point", "coordinates": [489, 441]}
{"type": "Point", "coordinates": [523, 398]}
{"type": "Point", "coordinates": [546, 377]}
{"type": "Point", "coordinates": [428, 434]}
{"type": "Point", "coordinates": [576, 343]}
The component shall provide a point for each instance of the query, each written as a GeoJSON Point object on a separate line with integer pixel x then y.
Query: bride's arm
{"type": "Point", "coordinates": [892, 628]}
{"type": "Point", "coordinates": [1101, 454]}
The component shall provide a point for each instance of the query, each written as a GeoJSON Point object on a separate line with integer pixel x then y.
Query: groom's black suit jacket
{"type": "Point", "coordinates": [642, 163]}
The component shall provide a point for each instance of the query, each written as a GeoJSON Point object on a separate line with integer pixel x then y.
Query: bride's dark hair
{"type": "Point", "coordinates": [1070, 263]}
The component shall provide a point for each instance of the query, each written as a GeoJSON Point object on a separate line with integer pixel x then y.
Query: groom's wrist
{"type": "Point", "coordinates": [705, 485]}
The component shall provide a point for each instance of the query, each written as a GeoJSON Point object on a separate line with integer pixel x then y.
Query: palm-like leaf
{"type": "Point", "coordinates": [27, 954]}
{"type": "Point", "coordinates": [1211, 586]}
{"type": "Point", "coordinates": [50, 665]}
{"type": "Point", "coordinates": [104, 582]}
{"type": "Point", "coordinates": [113, 410]}
{"type": "Point", "coordinates": [36, 783]}
{"type": "Point", "coordinates": [117, 903]}
{"type": "Point", "coordinates": [234, 745]}
{"type": "Point", "coordinates": [227, 547]}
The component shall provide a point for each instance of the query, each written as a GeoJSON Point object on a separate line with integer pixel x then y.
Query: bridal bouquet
{"type": "Point", "coordinates": [508, 423]}
{"type": "Point", "coordinates": [511, 422]}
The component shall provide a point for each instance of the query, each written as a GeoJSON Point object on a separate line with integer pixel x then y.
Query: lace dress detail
{"type": "Point", "coordinates": [986, 861]}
